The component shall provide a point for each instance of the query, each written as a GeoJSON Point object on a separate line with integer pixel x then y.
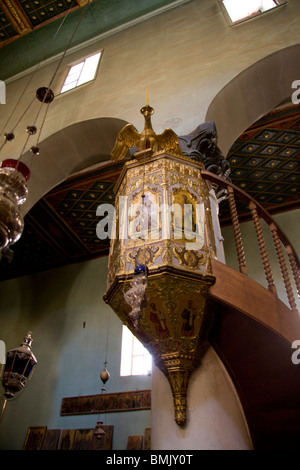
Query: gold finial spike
{"type": "Point", "coordinates": [147, 110]}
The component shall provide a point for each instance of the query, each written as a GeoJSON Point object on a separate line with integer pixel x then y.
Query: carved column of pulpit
{"type": "Point", "coordinates": [159, 268]}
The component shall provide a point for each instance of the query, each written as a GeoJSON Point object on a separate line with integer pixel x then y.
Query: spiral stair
{"type": "Point", "coordinates": [253, 331]}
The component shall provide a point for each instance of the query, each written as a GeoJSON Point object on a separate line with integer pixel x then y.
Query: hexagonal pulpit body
{"type": "Point", "coordinates": [159, 269]}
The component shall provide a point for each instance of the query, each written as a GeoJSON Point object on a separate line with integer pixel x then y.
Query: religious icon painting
{"type": "Point", "coordinates": [66, 441]}
{"type": "Point", "coordinates": [34, 437]}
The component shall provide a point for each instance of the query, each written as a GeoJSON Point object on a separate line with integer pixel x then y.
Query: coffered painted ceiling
{"type": "Point", "coordinates": [265, 161]}
{"type": "Point", "coordinates": [61, 228]}
{"type": "Point", "coordinates": [21, 17]}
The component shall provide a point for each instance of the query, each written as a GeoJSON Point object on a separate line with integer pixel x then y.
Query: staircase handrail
{"type": "Point", "coordinates": [279, 237]}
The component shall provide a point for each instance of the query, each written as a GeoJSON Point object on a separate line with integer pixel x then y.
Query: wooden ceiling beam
{"type": "Point", "coordinates": [16, 16]}
{"type": "Point", "coordinates": [81, 3]}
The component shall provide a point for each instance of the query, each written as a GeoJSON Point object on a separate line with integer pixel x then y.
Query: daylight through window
{"type": "Point", "coordinates": [82, 72]}
{"type": "Point", "coordinates": [240, 10]}
{"type": "Point", "coordinates": [135, 359]}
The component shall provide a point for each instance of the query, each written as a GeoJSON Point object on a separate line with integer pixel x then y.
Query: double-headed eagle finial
{"type": "Point", "coordinates": [129, 137]}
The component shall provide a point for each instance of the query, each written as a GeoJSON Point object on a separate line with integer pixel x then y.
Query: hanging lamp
{"type": "Point", "coordinates": [14, 173]}
{"type": "Point", "coordinates": [19, 368]}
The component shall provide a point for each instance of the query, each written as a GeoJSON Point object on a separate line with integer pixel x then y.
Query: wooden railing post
{"type": "Point", "coordinates": [283, 267]}
{"type": "Point", "coordinates": [279, 237]}
{"type": "Point", "coordinates": [262, 247]}
{"type": "Point", "coordinates": [295, 269]}
{"type": "Point", "coordinates": [236, 231]}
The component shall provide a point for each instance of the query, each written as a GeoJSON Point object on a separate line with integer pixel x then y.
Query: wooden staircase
{"type": "Point", "coordinates": [253, 332]}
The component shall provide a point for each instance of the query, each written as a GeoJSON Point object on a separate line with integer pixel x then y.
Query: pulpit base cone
{"type": "Point", "coordinates": [178, 369]}
{"type": "Point", "coordinates": [173, 325]}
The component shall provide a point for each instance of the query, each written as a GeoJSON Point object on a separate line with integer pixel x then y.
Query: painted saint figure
{"type": "Point", "coordinates": [159, 321]}
{"type": "Point", "coordinates": [188, 315]}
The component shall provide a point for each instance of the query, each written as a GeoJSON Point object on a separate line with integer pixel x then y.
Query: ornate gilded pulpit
{"type": "Point", "coordinates": [159, 268]}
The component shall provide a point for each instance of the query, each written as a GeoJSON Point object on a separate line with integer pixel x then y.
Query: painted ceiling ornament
{"type": "Point", "coordinates": [160, 259]}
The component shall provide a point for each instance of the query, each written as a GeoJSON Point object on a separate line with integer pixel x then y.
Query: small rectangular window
{"type": "Point", "coordinates": [135, 359]}
{"type": "Point", "coordinates": [80, 73]}
{"type": "Point", "coordinates": [239, 11]}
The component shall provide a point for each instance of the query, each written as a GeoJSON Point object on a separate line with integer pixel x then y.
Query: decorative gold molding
{"type": "Point", "coordinates": [16, 16]}
{"type": "Point", "coordinates": [81, 3]}
{"type": "Point", "coordinates": [20, 21]}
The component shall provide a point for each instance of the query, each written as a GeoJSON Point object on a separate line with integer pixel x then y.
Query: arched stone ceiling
{"type": "Point", "coordinates": [68, 151]}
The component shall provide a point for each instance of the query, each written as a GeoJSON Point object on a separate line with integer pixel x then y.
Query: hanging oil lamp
{"type": "Point", "coordinates": [99, 432]}
{"type": "Point", "coordinates": [13, 192]}
{"type": "Point", "coordinates": [19, 367]}
{"type": "Point", "coordinates": [104, 376]}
